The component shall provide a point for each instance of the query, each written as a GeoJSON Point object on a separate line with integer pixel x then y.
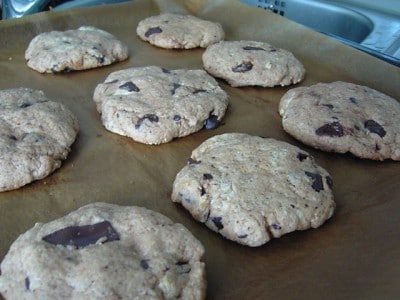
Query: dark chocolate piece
{"type": "Point", "coordinates": [151, 117]}
{"type": "Point", "coordinates": [331, 129]}
{"type": "Point", "coordinates": [199, 91]}
{"type": "Point", "coordinates": [243, 67]}
{"type": "Point", "coordinates": [27, 283]}
{"type": "Point", "coordinates": [82, 236]}
{"type": "Point", "coordinates": [13, 137]}
{"type": "Point", "coordinates": [100, 59]}
{"type": "Point", "coordinates": [374, 127]}
{"type": "Point", "coordinates": [174, 88]}
{"type": "Point", "coordinates": [276, 226]}
{"type": "Point", "coordinates": [207, 176]}
{"type": "Point", "coordinates": [177, 118]}
{"type": "Point", "coordinates": [202, 191]}
{"type": "Point", "coordinates": [301, 156]}
{"type": "Point", "coordinates": [253, 48]}
{"type": "Point", "coordinates": [129, 86]}
{"type": "Point", "coordinates": [166, 71]}
{"type": "Point", "coordinates": [25, 104]}
{"type": "Point", "coordinates": [212, 122]}
{"type": "Point", "coordinates": [330, 106]}
{"type": "Point", "coordinates": [353, 100]}
{"type": "Point", "coordinates": [192, 161]}
{"type": "Point", "coordinates": [217, 222]}
{"type": "Point", "coordinates": [153, 30]}
{"type": "Point", "coordinates": [317, 184]}
{"type": "Point", "coordinates": [242, 236]}
{"type": "Point", "coordinates": [144, 264]}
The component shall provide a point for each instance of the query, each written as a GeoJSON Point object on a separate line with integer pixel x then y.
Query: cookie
{"type": "Point", "coordinates": [261, 189]}
{"type": "Point", "coordinates": [174, 31]}
{"type": "Point", "coordinates": [72, 50]}
{"type": "Point", "coordinates": [105, 251]}
{"type": "Point", "coordinates": [154, 105]}
{"type": "Point", "coordinates": [251, 63]}
{"type": "Point", "coordinates": [35, 136]}
{"type": "Point", "coordinates": [343, 117]}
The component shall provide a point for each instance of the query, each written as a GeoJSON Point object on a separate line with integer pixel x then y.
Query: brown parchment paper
{"type": "Point", "coordinates": [355, 255]}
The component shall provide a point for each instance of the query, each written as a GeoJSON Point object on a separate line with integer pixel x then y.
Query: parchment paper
{"type": "Point", "coordinates": [355, 255]}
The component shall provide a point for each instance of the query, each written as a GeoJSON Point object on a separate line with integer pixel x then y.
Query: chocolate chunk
{"type": "Point", "coordinates": [25, 104]}
{"type": "Point", "coordinates": [315, 94]}
{"type": "Point", "coordinates": [212, 122]}
{"type": "Point", "coordinates": [153, 30]}
{"type": "Point", "coordinates": [151, 117]}
{"type": "Point", "coordinates": [202, 191]}
{"type": "Point", "coordinates": [329, 181]}
{"type": "Point", "coordinates": [166, 71]}
{"type": "Point", "coordinates": [353, 100]}
{"type": "Point", "coordinates": [100, 59]}
{"type": "Point", "coordinates": [13, 137]}
{"type": "Point", "coordinates": [144, 264]}
{"type": "Point", "coordinates": [177, 118]}
{"type": "Point", "coordinates": [374, 127]}
{"type": "Point", "coordinates": [317, 184]}
{"type": "Point", "coordinates": [276, 226]}
{"type": "Point", "coordinates": [330, 129]}
{"type": "Point", "coordinates": [82, 236]}
{"type": "Point", "coordinates": [129, 86]}
{"type": "Point", "coordinates": [27, 283]}
{"type": "Point", "coordinates": [253, 48]}
{"type": "Point", "coordinates": [207, 176]}
{"type": "Point", "coordinates": [199, 91]}
{"type": "Point", "coordinates": [330, 106]}
{"type": "Point", "coordinates": [243, 67]}
{"type": "Point", "coordinates": [174, 88]}
{"type": "Point", "coordinates": [242, 236]}
{"type": "Point", "coordinates": [192, 161]}
{"type": "Point", "coordinates": [217, 222]}
{"type": "Point", "coordinates": [301, 156]}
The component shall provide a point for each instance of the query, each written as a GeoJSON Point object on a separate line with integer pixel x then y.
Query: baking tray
{"type": "Point", "coordinates": [355, 255]}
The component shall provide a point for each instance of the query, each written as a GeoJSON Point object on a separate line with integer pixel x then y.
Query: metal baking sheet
{"type": "Point", "coordinates": [355, 255]}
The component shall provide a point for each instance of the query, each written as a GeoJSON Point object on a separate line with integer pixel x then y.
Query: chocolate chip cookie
{"type": "Point", "coordinates": [260, 189]}
{"type": "Point", "coordinates": [72, 50]}
{"type": "Point", "coordinates": [35, 136]}
{"type": "Point", "coordinates": [251, 63]}
{"type": "Point", "coordinates": [174, 31]}
{"type": "Point", "coordinates": [105, 251]}
{"type": "Point", "coordinates": [153, 105]}
{"type": "Point", "coordinates": [343, 117]}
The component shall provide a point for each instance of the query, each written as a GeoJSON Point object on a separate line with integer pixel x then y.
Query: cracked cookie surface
{"type": "Point", "coordinates": [174, 31]}
{"type": "Point", "coordinates": [343, 117]}
{"type": "Point", "coordinates": [105, 251]}
{"type": "Point", "coordinates": [261, 189]}
{"type": "Point", "coordinates": [252, 63]}
{"type": "Point", "coordinates": [35, 136]}
{"type": "Point", "coordinates": [153, 105]}
{"type": "Point", "coordinates": [72, 50]}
